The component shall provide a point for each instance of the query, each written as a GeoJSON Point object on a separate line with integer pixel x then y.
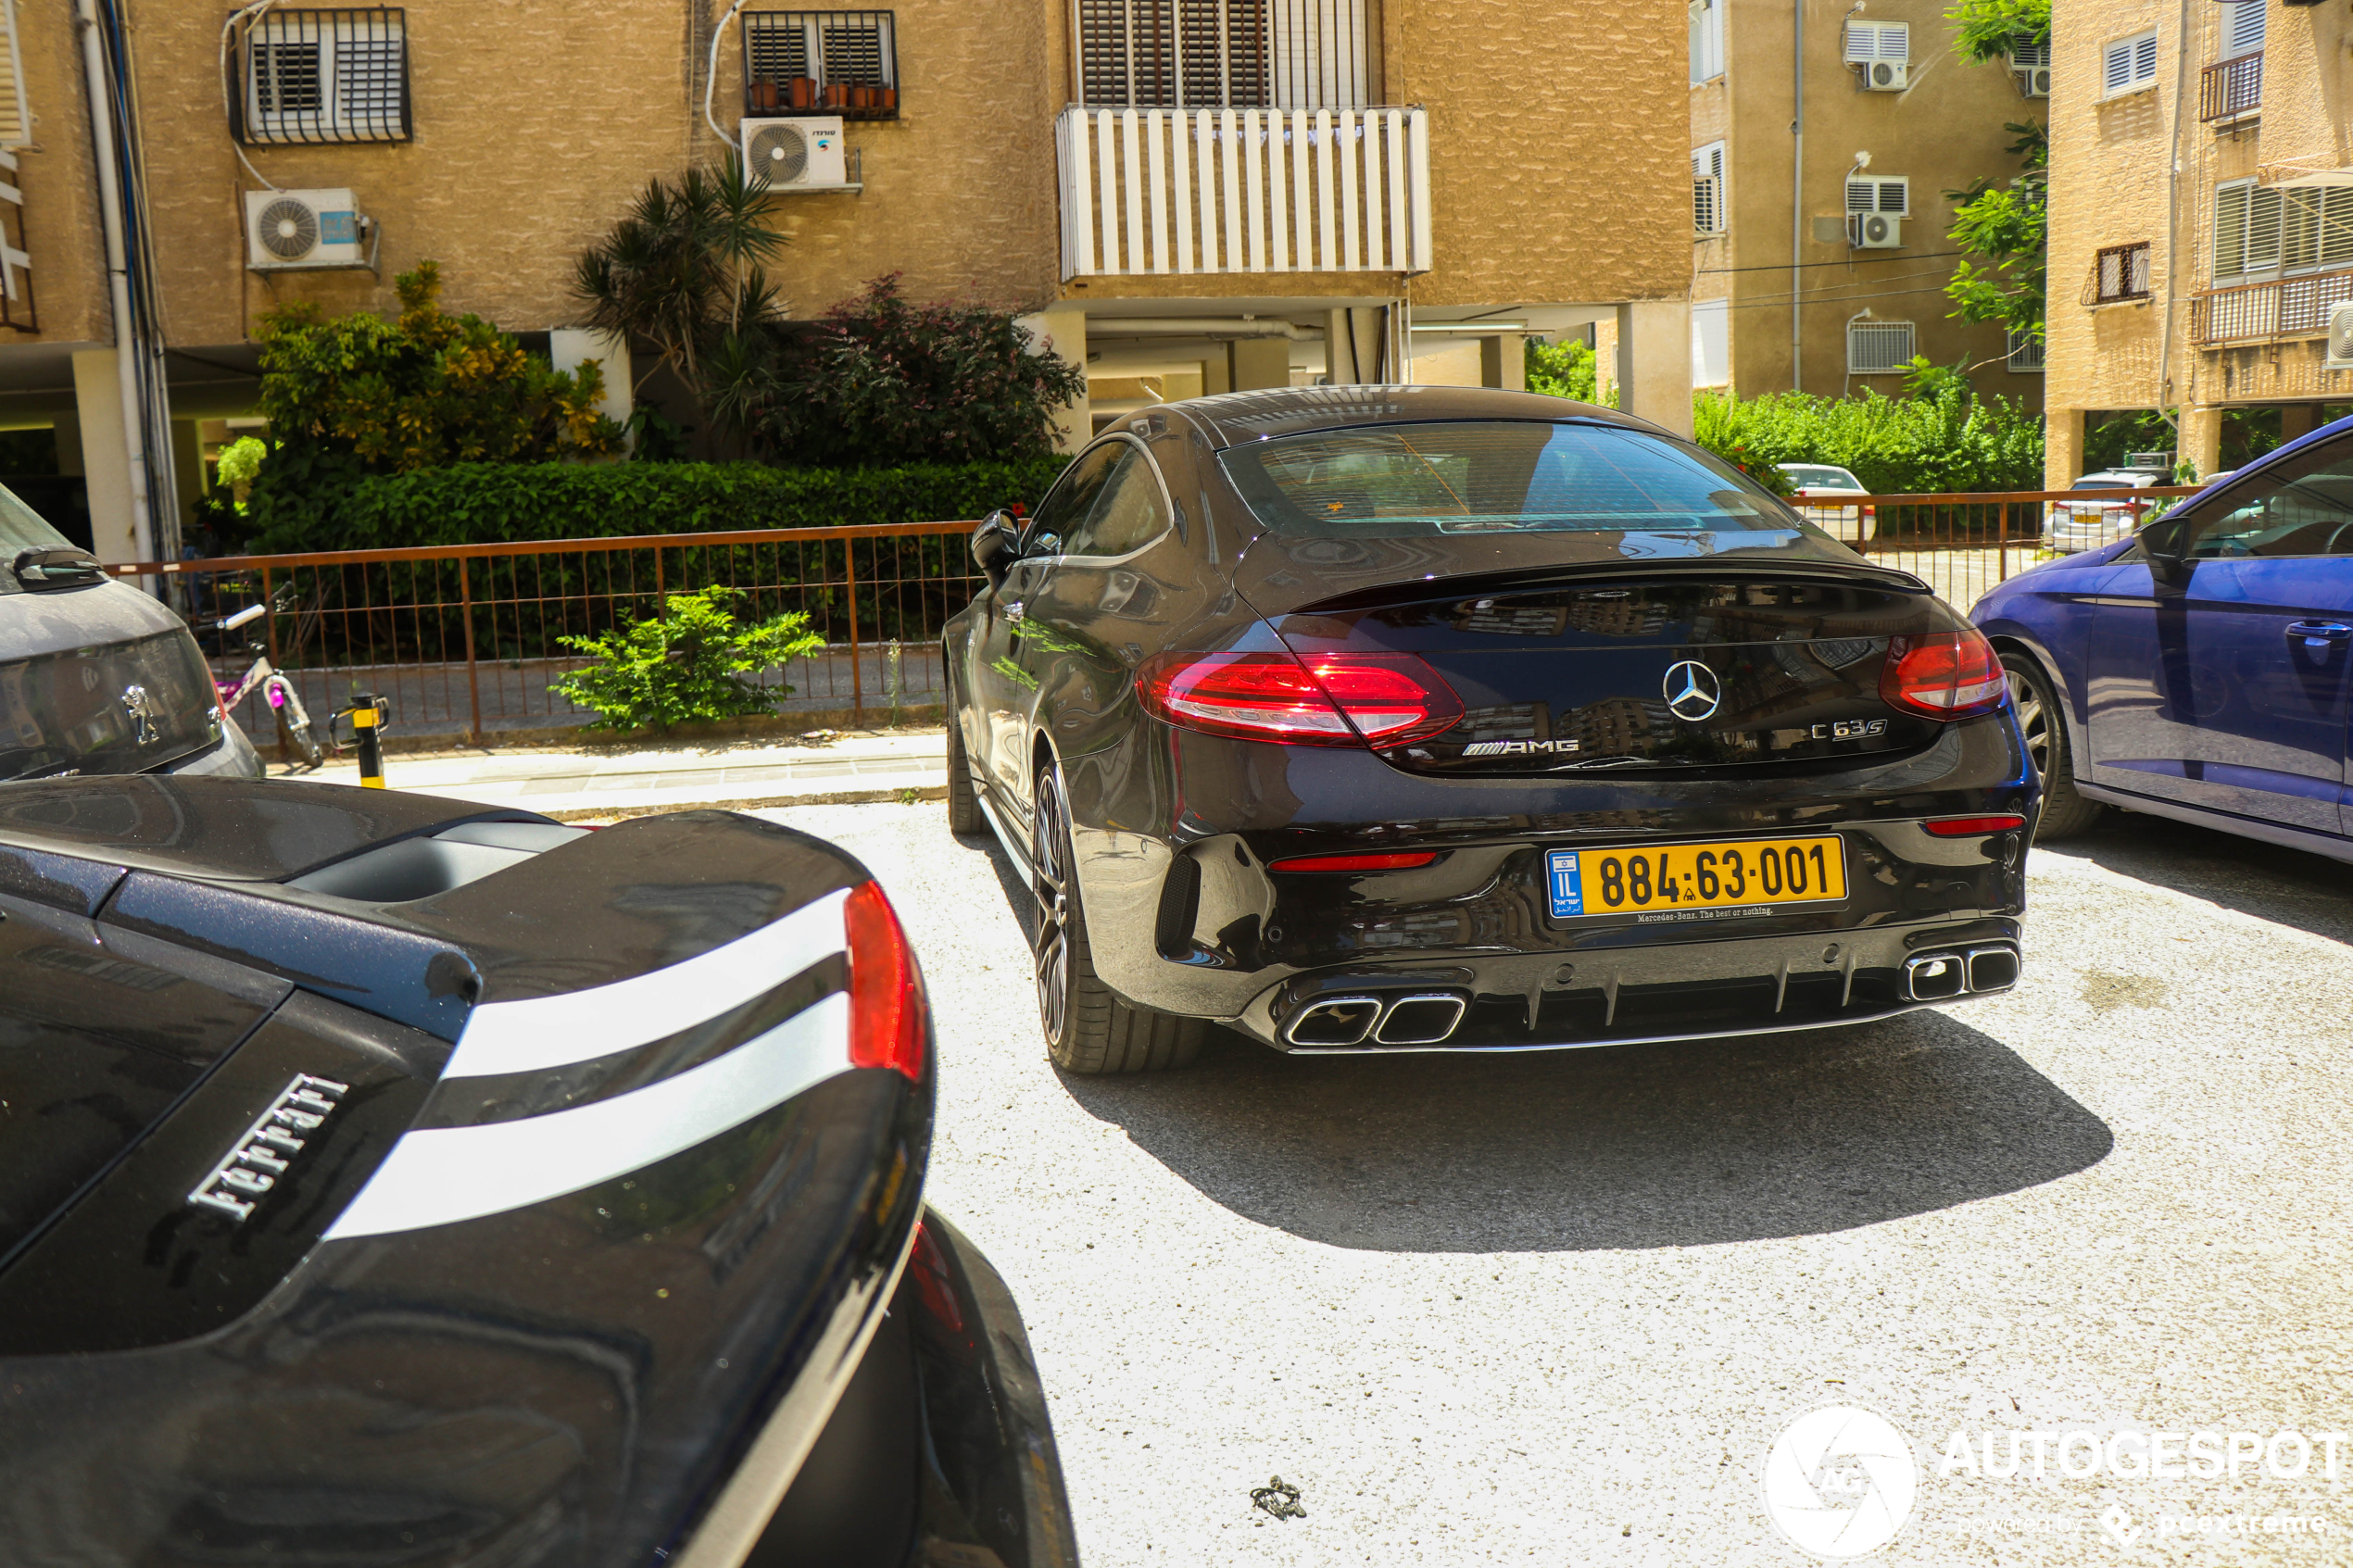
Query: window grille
{"type": "Point", "coordinates": [1891, 194]}
{"type": "Point", "coordinates": [1218, 53]}
{"type": "Point", "coordinates": [2026, 353]}
{"type": "Point", "coordinates": [1708, 40]}
{"type": "Point", "coordinates": [1877, 348]}
{"type": "Point", "coordinates": [2121, 272]}
{"type": "Point", "coordinates": [1707, 189]}
{"type": "Point", "coordinates": [325, 76]}
{"type": "Point", "coordinates": [2130, 63]}
{"type": "Point", "coordinates": [1870, 42]}
{"type": "Point", "coordinates": [821, 62]}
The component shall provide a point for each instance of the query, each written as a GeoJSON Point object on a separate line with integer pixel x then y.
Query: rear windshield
{"type": "Point", "coordinates": [2111, 482]}
{"type": "Point", "coordinates": [22, 529]}
{"type": "Point", "coordinates": [1821, 479]}
{"type": "Point", "coordinates": [1405, 481]}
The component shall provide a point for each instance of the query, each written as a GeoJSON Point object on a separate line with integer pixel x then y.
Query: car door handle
{"type": "Point", "coordinates": [2318, 634]}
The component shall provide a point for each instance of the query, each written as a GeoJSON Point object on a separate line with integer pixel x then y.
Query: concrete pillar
{"type": "Point", "coordinates": [569, 346]}
{"type": "Point", "coordinates": [2298, 419]}
{"type": "Point", "coordinates": [1060, 329]}
{"type": "Point", "coordinates": [105, 457]}
{"type": "Point", "coordinates": [2062, 448]}
{"type": "Point", "coordinates": [1654, 361]}
{"type": "Point", "coordinates": [1362, 346]}
{"type": "Point", "coordinates": [1217, 373]}
{"type": "Point", "coordinates": [1260, 363]}
{"type": "Point", "coordinates": [1605, 362]}
{"type": "Point", "coordinates": [1502, 362]}
{"type": "Point", "coordinates": [2201, 438]}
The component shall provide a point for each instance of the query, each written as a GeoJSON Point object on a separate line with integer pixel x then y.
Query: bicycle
{"type": "Point", "coordinates": [276, 690]}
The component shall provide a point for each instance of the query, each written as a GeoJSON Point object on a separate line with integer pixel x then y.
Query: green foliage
{"type": "Point", "coordinates": [2004, 230]}
{"type": "Point", "coordinates": [879, 381]}
{"type": "Point", "coordinates": [1984, 28]}
{"type": "Point", "coordinates": [690, 663]}
{"type": "Point", "coordinates": [1564, 370]}
{"type": "Point", "coordinates": [239, 462]}
{"type": "Point", "coordinates": [1942, 440]}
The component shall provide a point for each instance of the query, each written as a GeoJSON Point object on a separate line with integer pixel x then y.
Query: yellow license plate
{"type": "Point", "coordinates": [1687, 881]}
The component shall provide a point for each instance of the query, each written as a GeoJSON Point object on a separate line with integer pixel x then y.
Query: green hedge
{"type": "Point", "coordinates": [483, 503]}
{"type": "Point", "coordinates": [1942, 441]}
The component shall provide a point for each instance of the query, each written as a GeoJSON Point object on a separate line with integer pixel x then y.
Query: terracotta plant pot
{"type": "Point", "coordinates": [887, 98]}
{"type": "Point", "coordinates": [836, 95]}
{"type": "Point", "coordinates": [801, 92]}
{"type": "Point", "coordinates": [765, 98]}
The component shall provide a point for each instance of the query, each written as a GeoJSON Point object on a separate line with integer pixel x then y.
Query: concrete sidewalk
{"type": "Point", "coordinates": [826, 768]}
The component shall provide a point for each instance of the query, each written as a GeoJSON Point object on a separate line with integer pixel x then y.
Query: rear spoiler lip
{"type": "Point", "coordinates": [1405, 590]}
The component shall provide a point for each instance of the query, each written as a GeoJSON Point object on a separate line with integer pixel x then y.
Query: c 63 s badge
{"type": "Point", "coordinates": [1520, 748]}
{"type": "Point", "coordinates": [1849, 729]}
{"type": "Point", "coordinates": [255, 1162]}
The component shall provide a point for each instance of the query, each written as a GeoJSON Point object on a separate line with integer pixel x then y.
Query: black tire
{"type": "Point", "coordinates": [1089, 1029]}
{"type": "Point", "coordinates": [963, 795]}
{"type": "Point", "coordinates": [2065, 811]}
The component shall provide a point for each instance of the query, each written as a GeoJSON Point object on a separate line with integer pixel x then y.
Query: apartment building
{"type": "Point", "coordinates": [2210, 290]}
{"type": "Point", "coordinates": [1183, 194]}
{"type": "Point", "coordinates": [1824, 135]}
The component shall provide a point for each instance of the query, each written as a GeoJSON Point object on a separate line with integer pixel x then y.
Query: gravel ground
{"type": "Point", "coordinates": [1556, 1308]}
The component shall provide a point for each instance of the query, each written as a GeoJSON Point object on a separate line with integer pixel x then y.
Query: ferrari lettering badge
{"type": "Point", "coordinates": [267, 1151]}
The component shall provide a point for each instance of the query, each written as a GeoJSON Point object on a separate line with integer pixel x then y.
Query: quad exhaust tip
{"type": "Point", "coordinates": [1418, 1020]}
{"type": "Point", "coordinates": [1936, 977]}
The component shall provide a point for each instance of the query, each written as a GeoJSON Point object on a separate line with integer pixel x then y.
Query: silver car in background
{"type": "Point", "coordinates": [1831, 498]}
{"type": "Point", "coordinates": [2070, 527]}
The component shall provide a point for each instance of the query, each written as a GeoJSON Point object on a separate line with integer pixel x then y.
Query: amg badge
{"type": "Point", "coordinates": [1520, 747]}
{"type": "Point", "coordinates": [253, 1166]}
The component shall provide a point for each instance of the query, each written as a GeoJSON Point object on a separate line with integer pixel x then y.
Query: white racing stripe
{"type": "Point", "coordinates": [440, 1175]}
{"type": "Point", "coordinates": [544, 1032]}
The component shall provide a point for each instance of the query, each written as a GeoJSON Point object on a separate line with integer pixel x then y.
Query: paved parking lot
{"type": "Point", "coordinates": [1556, 1308]}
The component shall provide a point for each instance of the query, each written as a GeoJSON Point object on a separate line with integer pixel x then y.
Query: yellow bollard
{"type": "Point", "coordinates": [371, 749]}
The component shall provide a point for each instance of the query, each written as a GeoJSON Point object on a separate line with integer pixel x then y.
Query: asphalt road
{"type": "Point", "coordinates": [1556, 1307]}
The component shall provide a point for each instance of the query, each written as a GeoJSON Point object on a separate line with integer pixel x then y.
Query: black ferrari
{"type": "Point", "coordinates": [388, 1181]}
{"type": "Point", "coordinates": [1366, 719]}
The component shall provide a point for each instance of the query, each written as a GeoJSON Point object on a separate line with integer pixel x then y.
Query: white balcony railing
{"type": "Point", "coordinates": [1225, 190]}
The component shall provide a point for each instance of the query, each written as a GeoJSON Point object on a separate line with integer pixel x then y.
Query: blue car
{"type": "Point", "coordinates": [2199, 669]}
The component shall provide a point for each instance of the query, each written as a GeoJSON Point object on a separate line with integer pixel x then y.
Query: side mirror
{"type": "Point", "coordinates": [995, 545]}
{"type": "Point", "coordinates": [2166, 542]}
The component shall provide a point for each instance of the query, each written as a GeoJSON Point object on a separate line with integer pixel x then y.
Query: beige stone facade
{"type": "Point", "coordinates": [1782, 277]}
{"type": "Point", "coordinates": [2250, 106]}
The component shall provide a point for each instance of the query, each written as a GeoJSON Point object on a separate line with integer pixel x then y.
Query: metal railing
{"type": "Point", "coordinates": [2284, 308]}
{"type": "Point", "coordinates": [465, 640]}
{"type": "Point", "coordinates": [2230, 89]}
{"type": "Point", "coordinates": [1963, 544]}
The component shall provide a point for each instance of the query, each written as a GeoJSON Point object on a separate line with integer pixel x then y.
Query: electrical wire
{"type": "Point", "coordinates": [711, 71]}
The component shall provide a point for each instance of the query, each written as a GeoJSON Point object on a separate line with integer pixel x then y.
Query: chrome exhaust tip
{"type": "Point", "coordinates": [1420, 1021]}
{"type": "Point", "coordinates": [1992, 969]}
{"type": "Point", "coordinates": [1336, 1021]}
{"type": "Point", "coordinates": [1935, 977]}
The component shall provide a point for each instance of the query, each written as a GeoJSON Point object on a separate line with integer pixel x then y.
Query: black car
{"type": "Point", "coordinates": [385, 1180]}
{"type": "Point", "coordinates": [1418, 718]}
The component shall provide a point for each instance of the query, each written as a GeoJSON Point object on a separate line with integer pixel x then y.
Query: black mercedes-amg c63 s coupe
{"type": "Point", "coordinates": [386, 1181]}
{"type": "Point", "coordinates": [1407, 718]}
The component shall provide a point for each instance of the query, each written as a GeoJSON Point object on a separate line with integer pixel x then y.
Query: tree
{"type": "Point", "coordinates": [2003, 228]}
{"type": "Point", "coordinates": [1985, 30]}
{"type": "Point", "coordinates": [1562, 370]}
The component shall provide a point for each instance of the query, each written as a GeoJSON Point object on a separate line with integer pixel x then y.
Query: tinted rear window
{"type": "Point", "coordinates": [1827, 479]}
{"type": "Point", "coordinates": [1402, 481]}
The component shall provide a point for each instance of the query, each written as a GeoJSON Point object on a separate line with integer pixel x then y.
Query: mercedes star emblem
{"type": "Point", "coordinates": [1693, 690]}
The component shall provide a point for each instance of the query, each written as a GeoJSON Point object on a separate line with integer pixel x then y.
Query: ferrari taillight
{"type": "Point", "coordinates": [889, 1022]}
{"type": "Point", "coordinates": [1380, 699]}
{"type": "Point", "coordinates": [1942, 675]}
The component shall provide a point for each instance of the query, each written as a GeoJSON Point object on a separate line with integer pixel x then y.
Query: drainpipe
{"type": "Point", "coordinates": [2172, 226]}
{"type": "Point", "coordinates": [1797, 204]}
{"type": "Point", "coordinates": [126, 336]}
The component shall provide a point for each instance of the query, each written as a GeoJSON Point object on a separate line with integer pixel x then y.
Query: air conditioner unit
{"type": "Point", "coordinates": [1887, 76]}
{"type": "Point", "coordinates": [1875, 231]}
{"type": "Point", "coordinates": [2340, 354]}
{"type": "Point", "coordinates": [804, 153]}
{"type": "Point", "coordinates": [302, 229]}
{"type": "Point", "coordinates": [2034, 82]}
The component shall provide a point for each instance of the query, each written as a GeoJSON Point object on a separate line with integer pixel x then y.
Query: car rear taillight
{"type": "Point", "coordinates": [889, 1020]}
{"type": "Point", "coordinates": [1380, 699]}
{"type": "Point", "coordinates": [1404, 861]}
{"type": "Point", "coordinates": [1974, 827]}
{"type": "Point", "coordinates": [1942, 675]}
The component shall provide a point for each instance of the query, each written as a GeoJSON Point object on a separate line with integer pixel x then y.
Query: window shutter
{"type": "Point", "coordinates": [1862, 195]}
{"type": "Point", "coordinates": [2119, 66]}
{"type": "Point", "coordinates": [2263, 229]}
{"type": "Point", "coordinates": [2243, 28]}
{"type": "Point", "coordinates": [1895, 196]}
{"type": "Point", "coordinates": [2111, 285]}
{"type": "Point", "coordinates": [2145, 58]}
{"type": "Point", "coordinates": [1707, 189]}
{"type": "Point", "coordinates": [2137, 270]}
{"type": "Point", "coordinates": [2337, 226]}
{"type": "Point", "coordinates": [2028, 52]}
{"type": "Point", "coordinates": [2230, 230]}
{"type": "Point", "coordinates": [1866, 41]}
{"type": "Point", "coordinates": [15, 125]}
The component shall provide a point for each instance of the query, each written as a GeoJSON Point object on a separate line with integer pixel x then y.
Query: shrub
{"type": "Point", "coordinates": [690, 662]}
{"type": "Point", "coordinates": [1943, 439]}
{"type": "Point", "coordinates": [1564, 369]}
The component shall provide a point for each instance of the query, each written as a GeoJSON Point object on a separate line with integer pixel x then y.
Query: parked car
{"type": "Point", "coordinates": [1824, 498]}
{"type": "Point", "coordinates": [2198, 669]}
{"type": "Point", "coordinates": [1413, 718]}
{"type": "Point", "coordinates": [2071, 526]}
{"type": "Point", "coordinates": [96, 677]}
{"type": "Point", "coordinates": [392, 1180]}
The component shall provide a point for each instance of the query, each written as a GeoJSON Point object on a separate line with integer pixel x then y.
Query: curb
{"type": "Point", "coordinates": [907, 796]}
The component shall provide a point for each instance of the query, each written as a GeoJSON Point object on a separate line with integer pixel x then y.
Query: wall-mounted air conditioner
{"type": "Point", "coordinates": [2034, 82]}
{"type": "Point", "coordinates": [2340, 354]}
{"type": "Point", "coordinates": [287, 229]}
{"type": "Point", "coordinates": [1875, 231]}
{"type": "Point", "coordinates": [804, 153]}
{"type": "Point", "coordinates": [1887, 76]}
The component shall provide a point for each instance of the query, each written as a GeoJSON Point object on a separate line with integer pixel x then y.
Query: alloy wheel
{"type": "Point", "coordinates": [1050, 884]}
{"type": "Point", "coordinates": [2034, 720]}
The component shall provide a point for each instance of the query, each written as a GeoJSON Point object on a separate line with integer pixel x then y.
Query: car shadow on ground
{"type": "Point", "coordinates": [1631, 1147]}
{"type": "Point", "coordinates": [2272, 882]}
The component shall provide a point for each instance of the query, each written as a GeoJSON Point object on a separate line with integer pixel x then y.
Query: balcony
{"type": "Point", "coordinates": [1147, 191]}
{"type": "Point", "coordinates": [2254, 312]}
{"type": "Point", "coordinates": [2230, 89]}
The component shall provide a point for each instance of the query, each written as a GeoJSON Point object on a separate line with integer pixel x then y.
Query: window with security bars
{"type": "Point", "coordinates": [1868, 43]}
{"type": "Point", "coordinates": [325, 76]}
{"type": "Point", "coordinates": [821, 62]}
{"type": "Point", "coordinates": [1877, 348]}
{"type": "Point", "coordinates": [2121, 272]}
{"type": "Point", "coordinates": [1225, 53]}
{"type": "Point", "coordinates": [1890, 195]}
{"type": "Point", "coordinates": [2026, 353]}
{"type": "Point", "coordinates": [1707, 189]}
{"type": "Point", "coordinates": [2129, 65]}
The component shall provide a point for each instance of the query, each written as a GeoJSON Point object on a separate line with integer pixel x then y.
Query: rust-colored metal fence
{"type": "Point", "coordinates": [465, 640]}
